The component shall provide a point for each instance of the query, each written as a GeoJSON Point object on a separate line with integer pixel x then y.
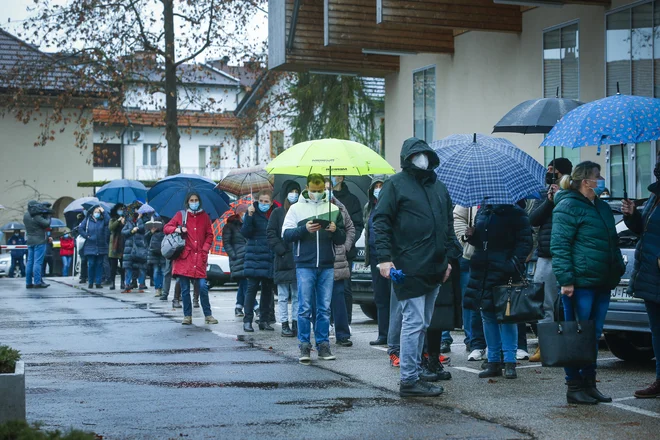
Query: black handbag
{"type": "Point", "coordinates": [568, 343]}
{"type": "Point", "coordinates": [519, 302]}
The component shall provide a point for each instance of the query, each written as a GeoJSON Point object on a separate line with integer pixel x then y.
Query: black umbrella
{"type": "Point", "coordinates": [11, 226]}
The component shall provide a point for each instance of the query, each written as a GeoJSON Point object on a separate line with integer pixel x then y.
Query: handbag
{"type": "Point", "coordinates": [519, 302]}
{"type": "Point", "coordinates": [174, 244]}
{"type": "Point", "coordinates": [568, 343]}
{"type": "Point", "coordinates": [80, 240]}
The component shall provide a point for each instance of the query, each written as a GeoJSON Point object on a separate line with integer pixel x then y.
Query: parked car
{"type": "Point", "coordinates": [5, 262]}
{"type": "Point", "coordinates": [217, 270]}
{"type": "Point", "coordinates": [363, 294]}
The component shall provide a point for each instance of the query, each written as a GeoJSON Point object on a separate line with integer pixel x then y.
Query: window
{"type": "Point", "coordinates": [276, 143]}
{"type": "Point", "coordinates": [572, 154]}
{"type": "Point", "coordinates": [424, 103]}
{"type": "Point", "coordinates": [561, 62]}
{"type": "Point", "coordinates": [150, 155]}
{"type": "Point", "coordinates": [216, 158]}
{"type": "Point", "coordinates": [107, 155]}
{"type": "Point", "coordinates": [202, 160]}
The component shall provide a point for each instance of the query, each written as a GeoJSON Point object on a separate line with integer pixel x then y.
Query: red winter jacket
{"type": "Point", "coordinates": [192, 261]}
{"type": "Point", "coordinates": [66, 247]}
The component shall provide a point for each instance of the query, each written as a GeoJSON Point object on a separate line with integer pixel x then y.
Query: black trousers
{"type": "Point", "coordinates": [83, 269]}
{"type": "Point", "coordinates": [382, 291]}
{"type": "Point", "coordinates": [116, 266]}
{"type": "Point", "coordinates": [266, 301]}
{"type": "Point", "coordinates": [348, 294]}
{"type": "Point", "coordinates": [48, 260]}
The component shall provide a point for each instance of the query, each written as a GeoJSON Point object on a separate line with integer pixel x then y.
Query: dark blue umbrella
{"type": "Point", "coordinates": [618, 119]}
{"type": "Point", "coordinates": [122, 191]}
{"type": "Point", "coordinates": [57, 223]}
{"type": "Point", "coordinates": [12, 226]}
{"type": "Point", "coordinates": [168, 196]}
{"type": "Point", "coordinates": [77, 205]}
{"type": "Point", "coordinates": [89, 205]}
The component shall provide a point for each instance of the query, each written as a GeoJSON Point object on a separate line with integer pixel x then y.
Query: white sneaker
{"type": "Point", "coordinates": [478, 355]}
{"type": "Point", "coordinates": [522, 355]}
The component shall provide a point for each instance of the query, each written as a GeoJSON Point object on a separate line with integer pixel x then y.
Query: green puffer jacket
{"type": "Point", "coordinates": [584, 243]}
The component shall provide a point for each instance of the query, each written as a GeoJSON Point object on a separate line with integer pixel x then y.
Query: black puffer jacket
{"type": "Point", "coordinates": [646, 276]}
{"type": "Point", "coordinates": [235, 245]}
{"type": "Point", "coordinates": [258, 256]}
{"type": "Point", "coordinates": [502, 235]}
{"type": "Point", "coordinates": [154, 241]}
{"type": "Point", "coordinates": [352, 205]}
{"type": "Point", "coordinates": [541, 217]}
{"type": "Point", "coordinates": [284, 266]}
{"type": "Point", "coordinates": [131, 239]}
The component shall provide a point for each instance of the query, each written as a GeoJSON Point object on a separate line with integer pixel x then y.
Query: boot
{"type": "Point", "coordinates": [247, 327]}
{"type": "Point", "coordinates": [176, 304]}
{"type": "Point", "coordinates": [294, 328]}
{"type": "Point", "coordinates": [265, 326]}
{"type": "Point", "coordinates": [493, 369]}
{"type": "Point", "coordinates": [159, 292]}
{"type": "Point", "coordinates": [536, 357]}
{"type": "Point", "coordinates": [575, 393]}
{"type": "Point", "coordinates": [436, 367]}
{"type": "Point", "coordinates": [510, 370]}
{"type": "Point", "coordinates": [649, 392]}
{"type": "Point", "coordinates": [426, 375]}
{"type": "Point", "coordinates": [591, 390]}
{"type": "Point", "coordinates": [286, 331]}
{"type": "Point", "coordinates": [196, 304]}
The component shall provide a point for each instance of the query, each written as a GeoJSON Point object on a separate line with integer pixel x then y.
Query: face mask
{"type": "Point", "coordinates": [264, 207]}
{"type": "Point", "coordinates": [17, 234]}
{"type": "Point", "coordinates": [316, 196]}
{"type": "Point", "coordinates": [421, 161]}
{"type": "Point", "coordinates": [334, 181]}
{"type": "Point", "coordinates": [97, 215]}
{"type": "Point", "coordinates": [120, 213]}
{"type": "Point", "coordinates": [48, 233]}
{"type": "Point", "coordinates": [549, 177]}
{"type": "Point", "coordinates": [293, 197]}
{"type": "Point", "coordinates": [605, 196]}
{"type": "Point", "coordinates": [376, 193]}
{"type": "Point", "coordinates": [600, 187]}
{"type": "Point", "coordinates": [194, 206]}
{"type": "Point", "coordinates": [66, 235]}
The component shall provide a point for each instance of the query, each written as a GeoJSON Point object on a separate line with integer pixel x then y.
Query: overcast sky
{"type": "Point", "coordinates": [13, 12]}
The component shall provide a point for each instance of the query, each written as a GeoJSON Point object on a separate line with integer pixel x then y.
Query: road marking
{"type": "Point", "coordinates": [379, 348]}
{"type": "Point", "coordinates": [621, 399]}
{"type": "Point", "coordinates": [634, 410]}
{"type": "Point", "coordinates": [469, 370]}
{"type": "Point", "coordinates": [225, 335]}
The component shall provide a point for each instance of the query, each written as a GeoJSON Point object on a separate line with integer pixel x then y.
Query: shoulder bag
{"type": "Point", "coordinates": [174, 244]}
{"type": "Point", "coordinates": [80, 240]}
{"type": "Point", "coordinates": [519, 302]}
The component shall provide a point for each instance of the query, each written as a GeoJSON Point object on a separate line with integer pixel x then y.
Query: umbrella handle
{"type": "Point", "coordinates": [623, 168]}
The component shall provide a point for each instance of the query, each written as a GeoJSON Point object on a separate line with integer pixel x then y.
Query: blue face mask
{"type": "Point", "coordinates": [334, 181]}
{"type": "Point", "coordinates": [376, 193]}
{"type": "Point", "coordinates": [293, 197]}
{"type": "Point", "coordinates": [48, 233]}
{"type": "Point", "coordinates": [97, 215]}
{"type": "Point", "coordinates": [66, 235]}
{"type": "Point", "coordinates": [600, 187]}
{"type": "Point", "coordinates": [194, 206]}
{"type": "Point", "coordinates": [264, 207]}
{"type": "Point", "coordinates": [120, 213]}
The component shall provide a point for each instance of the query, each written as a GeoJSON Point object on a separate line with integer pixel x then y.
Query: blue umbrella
{"type": "Point", "coordinates": [122, 191]}
{"type": "Point", "coordinates": [168, 195]}
{"type": "Point", "coordinates": [146, 209]}
{"type": "Point", "coordinates": [618, 119]}
{"type": "Point", "coordinates": [77, 205]}
{"type": "Point", "coordinates": [57, 223]}
{"type": "Point", "coordinates": [12, 226]}
{"type": "Point", "coordinates": [90, 205]}
{"type": "Point", "coordinates": [479, 169]}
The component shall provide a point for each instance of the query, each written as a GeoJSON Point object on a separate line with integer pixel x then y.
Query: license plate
{"type": "Point", "coordinates": [620, 293]}
{"type": "Point", "coordinates": [361, 268]}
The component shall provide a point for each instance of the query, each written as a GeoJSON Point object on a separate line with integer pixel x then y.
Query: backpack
{"type": "Point", "coordinates": [174, 244]}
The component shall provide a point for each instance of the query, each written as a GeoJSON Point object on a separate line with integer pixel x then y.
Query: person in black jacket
{"type": "Point", "coordinates": [258, 266]}
{"type": "Point", "coordinates": [541, 217]}
{"type": "Point", "coordinates": [235, 244]}
{"type": "Point", "coordinates": [352, 204]}
{"type": "Point", "coordinates": [502, 237]}
{"type": "Point", "coordinates": [285, 268]}
{"type": "Point", "coordinates": [414, 229]}
{"type": "Point", "coordinates": [154, 238]}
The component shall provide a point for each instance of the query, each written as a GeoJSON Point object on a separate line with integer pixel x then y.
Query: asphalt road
{"type": "Point", "coordinates": [123, 367]}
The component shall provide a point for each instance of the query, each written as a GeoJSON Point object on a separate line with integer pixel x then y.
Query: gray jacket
{"type": "Point", "coordinates": [342, 268]}
{"type": "Point", "coordinates": [36, 223]}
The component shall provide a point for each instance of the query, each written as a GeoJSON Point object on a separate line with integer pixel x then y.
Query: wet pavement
{"type": "Point", "coordinates": [124, 367]}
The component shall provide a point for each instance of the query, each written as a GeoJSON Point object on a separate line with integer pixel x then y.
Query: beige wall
{"type": "Point", "coordinates": [490, 73]}
{"type": "Point", "coordinates": [48, 173]}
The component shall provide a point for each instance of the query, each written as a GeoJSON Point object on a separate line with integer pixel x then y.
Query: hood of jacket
{"type": "Point", "coordinates": [377, 178]}
{"type": "Point", "coordinates": [288, 186]}
{"type": "Point", "coordinates": [413, 146]}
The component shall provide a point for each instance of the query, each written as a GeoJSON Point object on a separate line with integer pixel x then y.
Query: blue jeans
{"type": "Point", "coordinates": [159, 270]}
{"type": "Point", "coordinates": [35, 261]}
{"type": "Point", "coordinates": [66, 265]}
{"type": "Point", "coordinates": [477, 337]}
{"type": "Point", "coordinates": [653, 309]}
{"type": "Point", "coordinates": [314, 291]}
{"type": "Point", "coordinates": [16, 261]}
{"type": "Point", "coordinates": [592, 305]}
{"type": "Point", "coordinates": [500, 338]}
{"type": "Point", "coordinates": [394, 331]}
{"type": "Point", "coordinates": [95, 268]}
{"type": "Point", "coordinates": [184, 282]}
{"type": "Point", "coordinates": [240, 293]}
{"type": "Point", "coordinates": [284, 292]}
{"type": "Point", "coordinates": [417, 314]}
{"type": "Point", "coordinates": [467, 313]}
{"type": "Point", "coordinates": [338, 306]}
{"type": "Point", "coordinates": [128, 271]}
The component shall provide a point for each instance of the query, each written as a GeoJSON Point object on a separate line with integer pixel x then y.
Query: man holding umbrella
{"type": "Point", "coordinates": [414, 230]}
{"type": "Point", "coordinates": [17, 255]}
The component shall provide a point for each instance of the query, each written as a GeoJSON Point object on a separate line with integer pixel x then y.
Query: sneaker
{"type": "Point", "coordinates": [187, 320]}
{"type": "Point", "coordinates": [305, 353]}
{"type": "Point", "coordinates": [419, 389]}
{"type": "Point", "coordinates": [210, 320]}
{"type": "Point", "coordinates": [325, 353]}
{"type": "Point", "coordinates": [344, 342]}
{"type": "Point", "coordinates": [394, 360]}
{"type": "Point", "coordinates": [176, 304]}
{"type": "Point", "coordinates": [238, 312]}
{"type": "Point", "coordinates": [126, 291]}
{"type": "Point", "coordinates": [650, 392]}
{"type": "Point", "coordinates": [445, 347]}
{"type": "Point", "coordinates": [522, 355]}
{"type": "Point", "coordinates": [444, 359]}
{"type": "Point", "coordinates": [158, 293]}
{"type": "Point", "coordinates": [477, 355]}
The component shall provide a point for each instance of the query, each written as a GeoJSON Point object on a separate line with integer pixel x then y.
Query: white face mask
{"type": "Point", "coordinates": [420, 160]}
{"type": "Point", "coordinates": [316, 196]}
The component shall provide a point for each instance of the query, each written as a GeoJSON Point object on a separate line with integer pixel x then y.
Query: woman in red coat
{"type": "Point", "coordinates": [191, 264]}
{"type": "Point", "coordinates": [66, 252]}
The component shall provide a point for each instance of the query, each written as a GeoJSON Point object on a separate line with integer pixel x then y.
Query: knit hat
{"type": "Point", "coordinates": [562, 165]}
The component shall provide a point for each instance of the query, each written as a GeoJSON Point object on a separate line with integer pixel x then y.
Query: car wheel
{"type": "Point", "coordinates": [370, 310]}
{"type": "Point", "coordinates": [630, 346]}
